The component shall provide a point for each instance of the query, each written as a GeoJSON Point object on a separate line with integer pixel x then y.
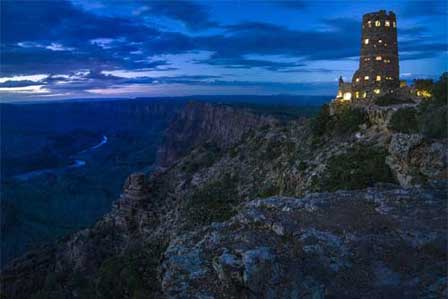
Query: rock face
{"type": "Point", "coordinates": [202, 122]}
{"type": "Point", "coordinates": [416, 161]}
{"type": "Point", "coordinates": [377, 243]}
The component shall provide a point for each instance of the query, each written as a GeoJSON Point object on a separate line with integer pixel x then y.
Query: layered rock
{"type": "Point", "coordinates": [203, 122]}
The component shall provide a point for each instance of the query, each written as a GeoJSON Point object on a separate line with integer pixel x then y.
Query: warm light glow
{"type": "Point", "coordinates": [380, 41]}
{"type": "Point", "coordinates": [369, 23]}
{"type": "Point", "coordinates": [339, 94]}
{"type": "Point", "coordinates": [347, 96]}
{"type": "Point", "coordinates": [357, 79]}
{"type": "Point", "coordinates": [364, 94]}
{"type": "Point", "coordinates": [378, 58]}
{"type": "Point", "coordinates": [378, 78]}
{"type": "Point", "coordinates": [377, 23]}
{"type": "Point", "coordinates": [357, 94]}
{"type": "Point", "coordinates": [387, 23]}
{"type": "Point", "coordinates": [367, 59]}
{"type": "Point", "coordinates": [386, 60]}
{"type": "Point", "coordinates": [377, 91]}
{"type": "Point", "coordinates": [366, 77]}
{"type": "Point", "coordinates": [424, 93]}
{"type": "Point", "coordinates": [366, 41]}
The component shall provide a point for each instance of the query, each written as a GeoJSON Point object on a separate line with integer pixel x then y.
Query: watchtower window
{"type": "Point", "coordinates": [347, 96]}
{"type": "Point", "coordinates": [378, 58]}
{"type": "Point", "coordinates": [366, 78]}
{"type": "Point", "coordinates": [377, 23]}
{"type": "Point", "coordinates": [387, 23]}
{"type": "Point", "coordinates": [366, 41]}
{"type": "Point", "coordinates": [378, 78]}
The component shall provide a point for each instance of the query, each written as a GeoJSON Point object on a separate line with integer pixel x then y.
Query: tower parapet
{"type": "Point", "coordinates": [378, 71]}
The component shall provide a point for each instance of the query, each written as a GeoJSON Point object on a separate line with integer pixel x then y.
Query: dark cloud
{"type": "Point", "coordinates": [21, 83]}
{"type": "Point", "coordinates": [193, 15]}
{"type": "Point", "coordinates": [425, 8]}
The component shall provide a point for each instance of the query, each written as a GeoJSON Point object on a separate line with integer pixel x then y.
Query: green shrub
{"type": "Point", "coordinates": [433, 120]}
{"type": "Point", "coordinates": [433, 113]}
{"type": "Point", "coordinates": [348, 119]}
{"type": "Point", "coordinates": [320, 123]}
{"type": "Point", "coordinates": [404, 121]}
{"type": "Point", "coordinates": [213, 203]}
{"type": "Point", "coordinates": [302, 166]}
{"type": "Point", "coordinates": [132, 275]}
{"type": "Point", "coordinates": [362, 167]}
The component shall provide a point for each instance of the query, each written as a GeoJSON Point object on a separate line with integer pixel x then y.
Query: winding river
{"type": "Point", "coordinates": [75, 164]}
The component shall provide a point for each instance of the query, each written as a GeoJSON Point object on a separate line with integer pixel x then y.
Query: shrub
{"type": "Point", "coordinates": [348, 119]}
{"type": "Point", "coordinates": [319, 124]}
{"type": "Point", "coordinates": [404, 121]}
{"type": "Point", "coordinates": [433, 119]}
{"type": "Point", "coordinates": [213, 203]}
{"type": "Point", "coordinates": [362, 167]}
{"type": "Point", "coordinates": [131, 275]}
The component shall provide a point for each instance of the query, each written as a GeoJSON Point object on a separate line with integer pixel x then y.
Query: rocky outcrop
{"type": "Point", "coordinates": [376, 243]}
{"type": "Point", "coordinates": [417, 161]}
{"type": "Point", "coordinates": [197, 123]}
{"type": "Point", "coordinates": [381, 116]}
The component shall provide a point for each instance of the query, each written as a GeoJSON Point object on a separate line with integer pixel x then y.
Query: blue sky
{"type": "Point", "coordinates": [103, 48]}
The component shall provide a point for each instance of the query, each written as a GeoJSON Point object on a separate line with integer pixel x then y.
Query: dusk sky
{"type": "Point", "coordinates": [102, 48]}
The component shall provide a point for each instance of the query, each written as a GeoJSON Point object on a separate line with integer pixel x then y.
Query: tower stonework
{"type": "Point", "coordinates": [378, 71]}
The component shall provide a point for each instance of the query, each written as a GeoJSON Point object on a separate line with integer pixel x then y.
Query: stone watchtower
{"type": "Point", "coordinates": [378, 71]}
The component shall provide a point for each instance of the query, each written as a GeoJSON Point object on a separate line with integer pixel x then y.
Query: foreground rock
{"type": "Point", "coordinates": [377, 243]}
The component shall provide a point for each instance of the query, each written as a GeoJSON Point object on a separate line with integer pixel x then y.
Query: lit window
{"type": "Point", "coordinates": [387, 23]}
{"type": "Point", "coordinates": [366, 77]}
{"type": "Point", "coordinates": [380, 41]}
{"type": "Point", "coordinates": [377, 91]}
{"type": "Point", "coordinates": [378, 58]}
{"type": "Point", "coordinates": [394, 24]}
{"type": "Point", "coordinates": [347, 96]}
{"type": "Point", "coordinates": [339, 94]}
{"type": "Point", "coordinates": [369, 23]}
{"type": "Point", "coordinates": [364, 94]}
{"type": "Point", "coordinates": [378, 78]}
{"type": "Point", "coordinates": [357, 79]}
{"type": "Point", "coordinates": [367, 59]}
{"type": "Point", "coordinates": [357, 94]}
{"type": "Point", "coordinates": [366, 41]}
{"type": "Point", "coordinates": [386, 60]}
{"type": "Point", "coordinates": [377, 23]}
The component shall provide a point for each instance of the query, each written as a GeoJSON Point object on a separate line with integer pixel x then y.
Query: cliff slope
{"type": "Point", "coordinates": [197, 230]}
